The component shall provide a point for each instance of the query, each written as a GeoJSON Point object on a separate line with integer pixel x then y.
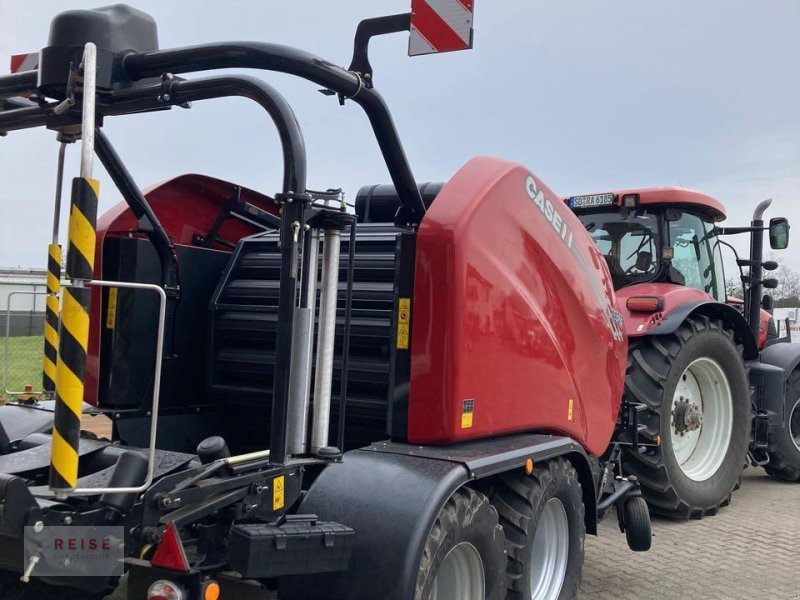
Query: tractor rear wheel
{"type": "Point", "coordinates": [784, 444]}
{"type": "Point", "coordinates": [542, 515]}
{"type": "Point", "coordinates": [464, 557]}
{"type": "Point", "coordinates": [695, 388]}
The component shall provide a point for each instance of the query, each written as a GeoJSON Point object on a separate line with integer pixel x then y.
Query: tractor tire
{"type": "Point", "coordinates": [784, 444]}
{"type": "Point", "coordinates": [542, 515]}
{"type": "Point", "coordinates": [464, 557]}
{"type": "Point", "coordinates": [695, 388]}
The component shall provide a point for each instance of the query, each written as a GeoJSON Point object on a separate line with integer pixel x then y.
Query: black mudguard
{"type": "Point", "coordinates": [714, 310]}
{"type": "Point", "coordinates": [391, 493]}
{"type": "Point", "coordinates": [783, 355]}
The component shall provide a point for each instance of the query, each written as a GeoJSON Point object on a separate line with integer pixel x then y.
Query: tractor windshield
{"type": "Point", "coordinates": [629, 241]}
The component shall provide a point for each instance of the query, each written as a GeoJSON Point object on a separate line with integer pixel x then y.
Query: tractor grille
{"type": "Point", "coordinates": [244, 314]}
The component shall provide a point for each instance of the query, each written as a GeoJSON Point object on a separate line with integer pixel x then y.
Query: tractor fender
{"type": "Point", "coordinates": [391, 493]}
{"type": "Point", "coordinates": [714, 310]}
{"type": "Point", "coordinates": [783, 355]}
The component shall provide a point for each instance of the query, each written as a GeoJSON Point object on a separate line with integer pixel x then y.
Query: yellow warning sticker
{"type": "Point", "coordinates": [278, 497]}
{"type": "Point", "coordinates": [403, 323]}
{"type": "Point", "coordinates": [466, 420]}
{"type": "Point", "coordinates": [111, 313]}
{"type": "Point", "coordinates": [569, 410]}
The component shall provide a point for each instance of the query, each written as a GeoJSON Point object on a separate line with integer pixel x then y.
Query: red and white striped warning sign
{"type": "Point", "coordinates": [440, 26]}
{"type": "Point", "coordinates": [24, 62]}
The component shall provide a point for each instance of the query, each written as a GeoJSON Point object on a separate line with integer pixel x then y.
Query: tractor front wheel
{"type": "Point", "coordinates": [784, 444]}
{"type": "Point", "coordinates": [695, 388]}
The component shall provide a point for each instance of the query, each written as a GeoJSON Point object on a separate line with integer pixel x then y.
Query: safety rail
{"type": "Point", "coordinates": [151, 450]}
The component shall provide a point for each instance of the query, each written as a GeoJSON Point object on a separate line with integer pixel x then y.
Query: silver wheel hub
{"type": "Point", "coordinates": [460, 576]}
{"type": "Point", "coordinates": [549, 552]}
{"type": "Point", "coordinates": [686, 416]}
{"type": "Point", "coordinates": [701, 421]}
{"type": "Point", "coordinates": [794, 424]}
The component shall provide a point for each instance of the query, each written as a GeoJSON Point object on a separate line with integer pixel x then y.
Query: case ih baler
{"type": "Point", "coordinates": [707, 375]}
{"type": "Point", "coordinates": [459, 440]}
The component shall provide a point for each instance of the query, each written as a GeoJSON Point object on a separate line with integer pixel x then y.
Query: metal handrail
{"type": "Point", "coordinates": [156, 389]}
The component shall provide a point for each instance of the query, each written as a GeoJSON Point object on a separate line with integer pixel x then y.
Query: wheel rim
{"type": "Point", "coordinates": [549, 552]}
{"type": "Point", "coordinates": [794, 424]}
{"type": "Point", "coordinates": [460, 576]}
{"type": "Point", "coordinates": [701, 419]}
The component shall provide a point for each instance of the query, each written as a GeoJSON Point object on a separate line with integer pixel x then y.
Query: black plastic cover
{"type": "Point", "coordinates": [380, 203]}
{"type": "Point", "coordinates": [302, 545]}
{"type": "Point", "coordinates": [114, 29]}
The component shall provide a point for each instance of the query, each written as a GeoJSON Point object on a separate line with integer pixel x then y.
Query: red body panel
{"type": "Point", "coordinates": [639, 323]}
{"type": "Point", "coordinates": [185, 206]}
{"type": "Point", "coordinates": [514, 310]}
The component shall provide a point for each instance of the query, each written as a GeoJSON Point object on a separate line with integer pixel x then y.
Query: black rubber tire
{"type": "Point", "coordinates": [519, 499]}
{"type": "Point", "coordinates": [637, 524]}
{"type": "Point", "coordinates": [655, 365]}
{"type": "Point", "coordinates": [468, 516]}
{"type": "Point", "coordinates": [784, 456]}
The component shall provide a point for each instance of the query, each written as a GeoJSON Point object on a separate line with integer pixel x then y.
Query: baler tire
{"type": "Point", "coordinates": [655, 366]}
{"type": "Point", "coordinates": [520, 500]}
{"type": "Point", "coordinates": [784, 453]}
{"type": "Point", "coordinates": [466, 518]}
{"type": "Point", "coordinates": [638, 531]}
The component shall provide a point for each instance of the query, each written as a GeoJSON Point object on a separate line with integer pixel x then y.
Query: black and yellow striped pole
{"type": "Point", "coordinates": [53, 289]}
{"type": "Point", "coordinates": [51, 319]}
{"type": "Point", "coordinates": [73, 333]}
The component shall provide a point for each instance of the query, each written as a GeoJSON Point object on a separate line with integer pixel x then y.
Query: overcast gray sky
{"type": "Point", "coordinates": [589, 95]}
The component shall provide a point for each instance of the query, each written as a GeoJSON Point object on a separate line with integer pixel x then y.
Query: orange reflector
{"type": "Point", "coordinates": [170, 553]}
{"type": "Point", "coordinates": [28, 389]}
{"type": "Point", "coordinates": [528, 466]}
{"type": "Point", "coordinates": [211, 591]}
{"type": "Point", "coordinates": [645, 303]}
{"type": "Point", "coordinates": [658, 440]}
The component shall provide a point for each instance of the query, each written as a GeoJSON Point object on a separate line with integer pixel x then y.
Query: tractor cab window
{"type": "Point", "coordinates": [697, 260]}
{"type": "Point", "coordinates": [629, 242]}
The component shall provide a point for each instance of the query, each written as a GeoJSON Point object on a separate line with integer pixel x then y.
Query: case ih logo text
{"type": "Point", "coordinates": [549, 211]}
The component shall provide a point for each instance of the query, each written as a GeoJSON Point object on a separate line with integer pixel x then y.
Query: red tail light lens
{"type": "Point", "coordinates": [165, 590]}
{"type": "Point", "coordinates": [645, 303]}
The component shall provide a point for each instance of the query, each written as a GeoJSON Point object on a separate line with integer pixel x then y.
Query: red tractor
{"type": "Point", "coordinates": [706, 382]}
{"type": "Point", "coordinates": [466, 391]}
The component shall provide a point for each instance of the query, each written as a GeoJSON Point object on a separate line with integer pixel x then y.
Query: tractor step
{"type": "Point", "coordinates": [301, 545]}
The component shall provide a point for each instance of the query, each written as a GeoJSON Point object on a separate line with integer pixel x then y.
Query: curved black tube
{"type": "Point", "coordinates": [181, 91]}
{"type": "Point", "coordinates": [18, 83]}
{"type": "Point", "coordinates": [140, 207]}
{"type": "Point", "coordinates": [285, 59]}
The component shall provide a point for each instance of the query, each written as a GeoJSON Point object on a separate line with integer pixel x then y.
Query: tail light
{"type": "Point", "coordinates": [165, 590]}
{"type": "Point", "coordinates": [645, 303]}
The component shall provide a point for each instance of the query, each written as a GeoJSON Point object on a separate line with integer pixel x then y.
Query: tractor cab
{"type": "Point", "coordinates": [657, 235]}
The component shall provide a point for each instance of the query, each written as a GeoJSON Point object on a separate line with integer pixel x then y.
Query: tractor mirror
{"type": "Point", "coordinates": [778, 233]}
{"type": "Point", "coordinates": [767, 303]}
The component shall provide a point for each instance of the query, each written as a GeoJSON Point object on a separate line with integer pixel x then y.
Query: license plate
{"type": "Point", "coordinates": [592, 200]}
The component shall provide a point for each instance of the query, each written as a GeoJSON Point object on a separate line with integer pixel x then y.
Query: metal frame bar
{"type": "Point", "coordinates": [156, 388]}
{"type": "Point", "coordinates": [8, 336]}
